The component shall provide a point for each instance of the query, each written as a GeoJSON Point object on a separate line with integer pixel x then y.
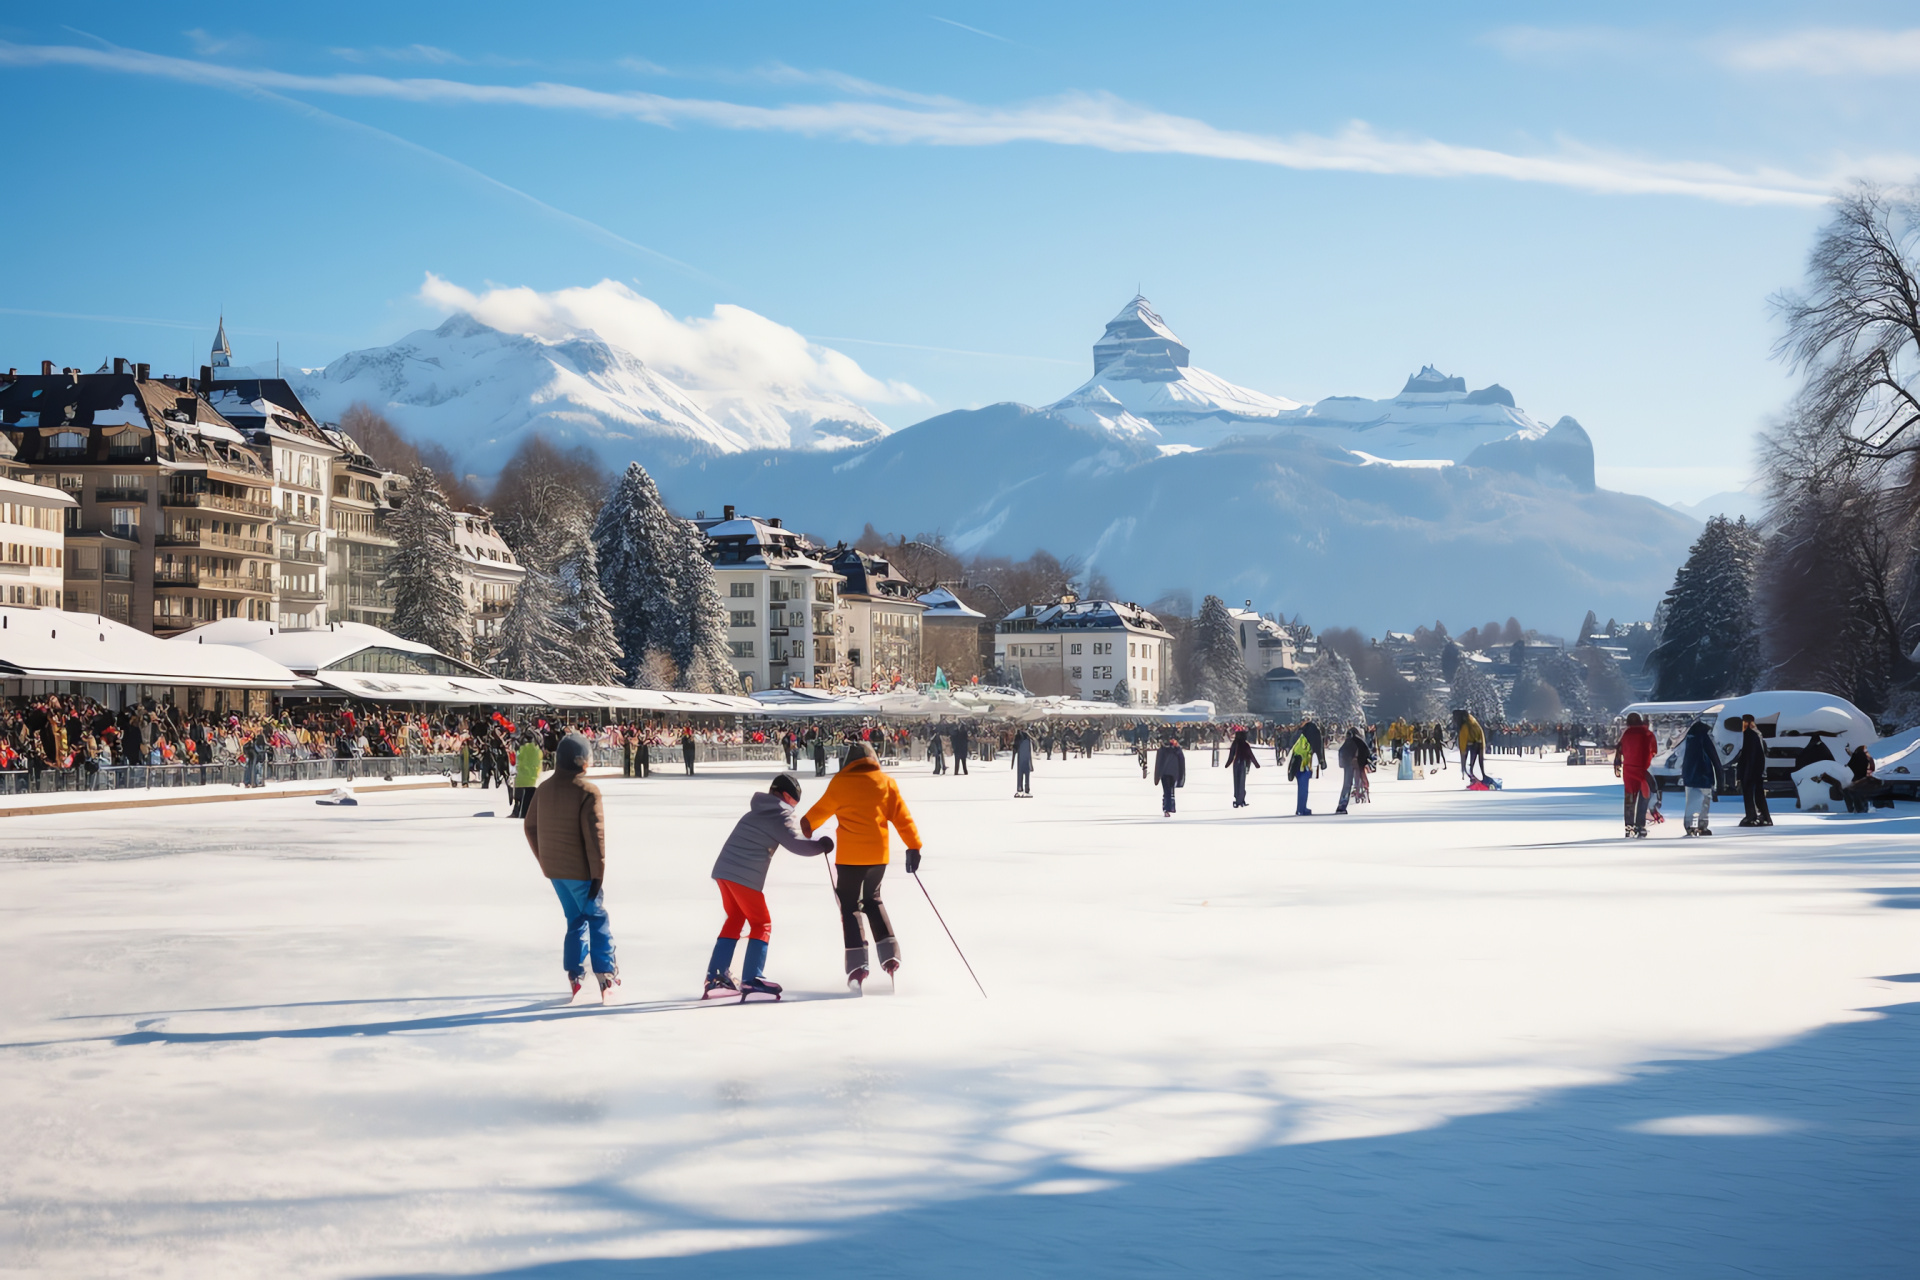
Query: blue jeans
{"type": "Point", "coordinates": [587, 927]}
{"type": "Point", "coordinates": [1306, 777]}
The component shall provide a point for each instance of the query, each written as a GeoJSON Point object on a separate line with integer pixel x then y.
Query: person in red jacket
{"type": "Point", "coordinates": [1631, 760]}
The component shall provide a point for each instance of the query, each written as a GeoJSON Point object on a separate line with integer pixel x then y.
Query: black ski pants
{"type": "Point", "coordinates": [1753, 793]}
{"type": "Point", "coordinates": [1239, 783]}
{"type": "Point", "coordinates": [858, 888]}
{"type": "Point", "coordinates": [960, 759]}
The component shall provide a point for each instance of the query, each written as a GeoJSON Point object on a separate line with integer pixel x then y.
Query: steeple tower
{"type": "Point", "coordinates": [222, 353]}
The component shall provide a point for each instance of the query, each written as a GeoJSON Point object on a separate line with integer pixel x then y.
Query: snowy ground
{"type": "Point", "coordinates": [1453, 1034]}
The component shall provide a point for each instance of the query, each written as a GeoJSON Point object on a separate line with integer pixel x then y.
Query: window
{"type": "Point", "coordinates": [740, 618]}
{"type": "Point", "coordinates": [116, 562]}
{"type": "Point", "coordinates": [68, 442]}
{"type": "Point", "coordinates": [126, 522]}
{"type": "Point", "coordinates": [1130, 650]}
{"type": "Point", "coordinates": [124, 444]}
{"type": "Point", "coordinates": [1103, 673]}
{"type": "Point", "coordinates": [740, 590]}
{"type": "Point", "coordinates": [740, 648]}
{"type": "Point", "coordinates": [1074, 648]}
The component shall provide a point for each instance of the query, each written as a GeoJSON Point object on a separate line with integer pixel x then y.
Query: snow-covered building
{"type": "Point", "coordinates": [301, 455]}
{"type": "Point", "coordinates": [1085, 649]}
{"type": "Point", "coordinates": [490, 576]}
{"type": "Point", "coordinates": [779, 598]}
{"type": "Point", "coordinates": [358, 545]}
{"type": "Point", "coordinates": [33, 532]}
{"type": "Point", "coordinates": [956, 637]}
{"type": "Point", "coordinates": [172, 519]}
{"type": "Point", "coordinates": [1265, 645]}
{"type": "Point", "coordinates": [54, 651]}
{"type": "Point", "coordinates": [876, 619]}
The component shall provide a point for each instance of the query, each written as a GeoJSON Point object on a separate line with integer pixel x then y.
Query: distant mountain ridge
{"type": "Point", "coordinates": [481, 391]}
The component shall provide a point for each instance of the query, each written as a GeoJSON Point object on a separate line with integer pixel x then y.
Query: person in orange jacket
{"type": "Point", "coordinates": [864, 801]}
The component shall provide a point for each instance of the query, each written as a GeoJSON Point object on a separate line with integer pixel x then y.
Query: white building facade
{"type": "Point", "coordinates": [1086, 649]}
{"type": "Point", "coordinates": [33, 522]}
{"type": "Point", "coordinates": [779, 599]}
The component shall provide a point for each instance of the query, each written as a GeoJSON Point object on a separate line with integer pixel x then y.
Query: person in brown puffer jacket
{"type": "Point", "coordinates": [566, 829]}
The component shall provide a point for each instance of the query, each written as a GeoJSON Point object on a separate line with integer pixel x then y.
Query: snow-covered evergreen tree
{"type": "Point", "coordinates": [591, 651]}
{"type": "Point", "coordinates": [1478, 694]}
{"type": "Point", "coordinates": [424, 570]}
{"type": "Point", "coordinates": [639, 546]}
{"type": "Point", "coordinates": [1219, 673]}
{"type": "Point", "coordinates": [1333, 691]}
{"type": "Point", "coordinates": [1122, 694]}
{"type": "Point", "coordinates": [1709, 646]}
{"type": "Point", "coordinates": [532, 640]}
{"type": "Point", "coordinates": [701, 621]}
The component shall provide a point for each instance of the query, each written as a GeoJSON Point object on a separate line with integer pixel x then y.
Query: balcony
{"type": "Point", "coordinates": [106, 494]}
{"type": "Point", "coordinates": [214, 541]}
{"type": "Point", "coordinates": [289, 592]}
{"type": "Point", "coordinates": [216, 502]}
{"type": "Point", "coordinates": [285, 515]}
{"type": "Point", "coordinates": [491, 608]}
{"type": "Point", "coordinates": [288, 556]}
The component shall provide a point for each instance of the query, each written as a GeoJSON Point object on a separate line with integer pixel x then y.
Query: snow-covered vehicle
{"type": "Point", "coordinates": [1786, 718]}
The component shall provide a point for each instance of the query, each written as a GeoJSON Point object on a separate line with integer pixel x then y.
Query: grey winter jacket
{"type": "Point", "coordinates": [768, 823]}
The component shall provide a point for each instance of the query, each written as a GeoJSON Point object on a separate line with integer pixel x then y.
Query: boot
{"type": "Point", "coordinates": [719, 980]}
{"type": "Point", "coordinates": [756, 964]}
{"type": "Point", "coordinates": [890, 954]}
{"type": "Point", "coordinates": [857, 965]}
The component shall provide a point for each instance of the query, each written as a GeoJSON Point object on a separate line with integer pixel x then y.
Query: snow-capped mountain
{"type": "Point", "coordinates": [481, 391]}
{"type": "Point", "coordinates": [1144, 387]}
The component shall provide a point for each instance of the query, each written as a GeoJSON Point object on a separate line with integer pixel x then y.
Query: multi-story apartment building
{"type": "Point", "coordinates": [166, 492]}
{"type": "Point", "coordinates": [33, 531]}
{"type": "Point", "coordinates": [877, 620]}
{"type": "Point", "coordinates": [489, 574]}
{"type": "Point", "coordinates": [301, 455]}
{"type": "Point", "coordinates": [1086, 648]}
{"type": "Point", "coordinates": [357, 542]}
{"type": "Point", "coordinates": [779, 599]}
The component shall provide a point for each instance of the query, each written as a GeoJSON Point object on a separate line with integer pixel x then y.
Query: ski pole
{"type": "Point", "coordinates": [950, 938]}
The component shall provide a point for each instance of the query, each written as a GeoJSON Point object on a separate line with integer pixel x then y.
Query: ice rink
{"type": "Point", "coordinates": [1454, 1033]}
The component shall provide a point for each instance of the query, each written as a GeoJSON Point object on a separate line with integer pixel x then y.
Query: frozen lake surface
{"type": "Point", "coordinates": [1454, 1033]}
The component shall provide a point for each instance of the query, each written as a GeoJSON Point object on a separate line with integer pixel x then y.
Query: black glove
{"type": "Point", "coordinates": [913, 861]}
{"type": "Point", "coordinates": [593, 890]}
{"type": "Point", "coordinates": [826, 844]}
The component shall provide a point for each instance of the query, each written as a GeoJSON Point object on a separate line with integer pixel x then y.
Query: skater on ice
{"type": "Point", "coordinates": [771, 822]}
{"type": "Point", "coordinates": [1240, 759]}
{"type": "Point", "coordinates": [1356, 757]}
{"type": "Point", "coordinates": [864, 802]}
{"type": "Point", "coordinates": [1023, 765]}
{"type": "Point", "coordinates": [1700, 775]}
{"type": "Point", "coordinates": [1308, 750]}
{"type": "Point", "coordinates": [566, 828]}
{"type": "Point", "coordinates": [1170, 771]}
{"type": "Point", "coordinates": [1631, 760]}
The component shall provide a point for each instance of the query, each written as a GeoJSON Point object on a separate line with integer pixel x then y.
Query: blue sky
{"type": "Point", "coordinates": [1318, 198]}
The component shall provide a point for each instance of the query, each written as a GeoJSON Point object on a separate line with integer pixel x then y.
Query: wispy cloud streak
{"type": "Point", "coordinates": [1831, 51]}
{"type": "Point", "coordinates": [1093, 120]}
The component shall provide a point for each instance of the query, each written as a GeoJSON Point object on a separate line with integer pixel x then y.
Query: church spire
{"type": "Point", "coordinates": [222, 352]}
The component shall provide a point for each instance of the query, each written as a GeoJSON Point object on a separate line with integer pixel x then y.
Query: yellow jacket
{"type": "Point", "coordinates": [863, 800]}
{"type": "Point", "coordinates": [1471, 734]}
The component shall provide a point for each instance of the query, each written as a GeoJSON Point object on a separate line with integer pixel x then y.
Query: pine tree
{"type": "Point", "coordinates": [1122, 694]}
{"type": "Point", "coordinates": [590, 651]}
{"type": "Point", "coordinates": [1474, 691]}
{"type": "Point", "coordinates": [531, 637]}
{"type": "Point", "coordinates": [639, 547]}
{"type": "Point", "coordinates": [1219, 672]}
{"type": "Point", "coordinates": [1709, 647]}
{"type": "Point", "coordinates": [1333, 690]}
{"type": "Point", "coordinates": [700, 619]}
{"type": "Point", "coordinates": [424, 570]}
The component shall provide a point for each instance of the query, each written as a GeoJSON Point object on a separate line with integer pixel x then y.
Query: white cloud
{"type": "Point", "coordinates": [733, 350]}
{"type": "Point", "coordinates": [1831, 51]}
{"type": "Point", "coordinates": [403, 53]}
{"type": "Point", "coordinates": [1095, 120]}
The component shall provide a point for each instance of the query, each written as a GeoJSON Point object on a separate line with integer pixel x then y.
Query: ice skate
{"type": "Point", "coordinates": [575, 981]}
{"type": "Point", "coordinates": [758, 987]}
{"type": "Point", "coordinates": [720, 981]}
{"type": "Point", "coordinates": [890, 960]}
{"type": "Point", "coordinates": [607, 981]}
{"type": "Point", "coordinates": [857, 970]}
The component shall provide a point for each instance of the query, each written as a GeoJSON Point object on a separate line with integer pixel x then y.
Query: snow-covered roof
{"type": "Point", "coordinates": [52, 644]}
{"type": "Point", "coordinates": [36, 492]}
{"type": "Point", "coordinates": [310, 649]}
{"type": "Point", "coordinates": [942, 603]}
{"type": "Point", "coordinates": [1087, 615]}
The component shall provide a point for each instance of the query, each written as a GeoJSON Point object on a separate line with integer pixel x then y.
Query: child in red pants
{"type": "Point", "coordinates": [771, 822]}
